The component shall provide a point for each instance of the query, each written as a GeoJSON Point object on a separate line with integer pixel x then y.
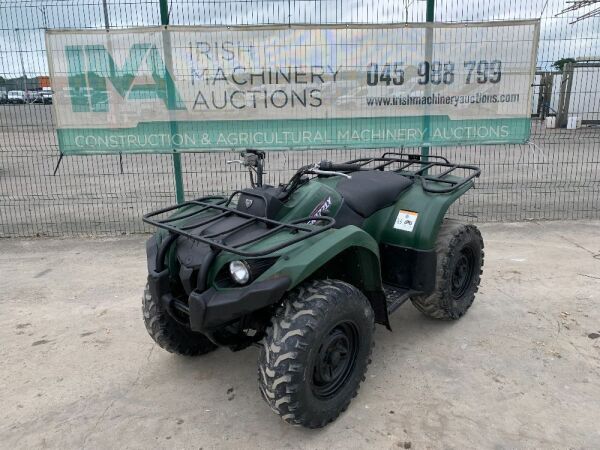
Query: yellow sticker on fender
{"type": "Point", "coordinates": [406, 220]}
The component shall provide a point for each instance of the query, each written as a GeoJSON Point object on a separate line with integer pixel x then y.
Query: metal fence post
{"type": "Point", "coordinates": [22, 61]}
{"type": "Point", "coordinates": [566, 87]}
{"type": "Point", "coordinates": [429, 16]}
{"type": "Point", "coordinates": [177, 172]}
{"type": "Point", "coordinates": [105, 11]}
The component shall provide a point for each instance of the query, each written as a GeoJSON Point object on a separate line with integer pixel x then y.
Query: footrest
{"type": "Point", "coordinates": [396, 296]}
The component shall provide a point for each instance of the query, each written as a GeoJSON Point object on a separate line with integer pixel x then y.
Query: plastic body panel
{"type": "Point", "coordinates": [350, 253]}
{"type": "Point", "coordinates": [431, 209]}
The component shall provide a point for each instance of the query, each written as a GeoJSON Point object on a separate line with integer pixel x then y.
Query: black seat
{"type": "Point", "coordinates": [371, 190]}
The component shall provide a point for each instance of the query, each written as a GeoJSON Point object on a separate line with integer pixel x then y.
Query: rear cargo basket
{"type": "Point", "coordinates": [443, 181]}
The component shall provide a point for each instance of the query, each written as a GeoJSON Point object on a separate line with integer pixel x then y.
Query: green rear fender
{"type": "Point", "coordinates": [430, 210]}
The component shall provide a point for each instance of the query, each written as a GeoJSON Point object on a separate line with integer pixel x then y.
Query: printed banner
{"type": "Point", "coordinates": [300, 87]}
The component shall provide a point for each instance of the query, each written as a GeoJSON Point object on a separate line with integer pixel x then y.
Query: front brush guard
{"type": "Point", "coordinates": [213, 308]}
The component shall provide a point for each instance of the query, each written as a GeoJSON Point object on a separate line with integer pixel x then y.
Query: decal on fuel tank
{"type": "Point", "coordinates": [321, 208]}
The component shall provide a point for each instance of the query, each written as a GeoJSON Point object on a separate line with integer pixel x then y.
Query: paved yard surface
{"type": "Point", "coordinates": [521, 370]}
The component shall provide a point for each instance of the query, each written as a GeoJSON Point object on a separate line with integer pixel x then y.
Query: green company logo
{"type": "Point", "coordinates": [89, 66]}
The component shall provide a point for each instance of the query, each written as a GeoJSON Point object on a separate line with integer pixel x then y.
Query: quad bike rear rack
{"type": "Point", "coordinates": [215, 208]}
{"type": "Point", "coordinates": [418, 167]}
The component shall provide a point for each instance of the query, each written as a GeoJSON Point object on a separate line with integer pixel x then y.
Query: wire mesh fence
{"type": "Point", "coordinates": [555, 176]}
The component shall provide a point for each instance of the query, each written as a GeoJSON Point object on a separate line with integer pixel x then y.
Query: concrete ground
{"type": "Point", "coordinates": [520, 370]}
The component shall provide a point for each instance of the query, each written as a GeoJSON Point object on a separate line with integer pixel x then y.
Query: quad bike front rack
{"type": "Point", "coordinates": [418, 167]}
{"type": "Point", "coordinates": [216, 208]}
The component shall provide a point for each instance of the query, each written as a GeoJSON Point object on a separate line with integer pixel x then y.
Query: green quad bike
{"type": "Point", "coordinates": [304, 271]}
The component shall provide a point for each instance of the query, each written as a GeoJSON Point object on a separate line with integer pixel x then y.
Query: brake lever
{"type": "Point", "coordinates": [330, 173]}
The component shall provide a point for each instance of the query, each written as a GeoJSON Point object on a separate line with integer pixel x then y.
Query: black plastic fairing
{"type": "Point", "coordinates": [261, 201]}
{"type": "Point", "coordinates": [408, 268]}
{"type": "Point", "coordinates": [212, 308]}
{"type": "Point", "coordinates": [347, 216]}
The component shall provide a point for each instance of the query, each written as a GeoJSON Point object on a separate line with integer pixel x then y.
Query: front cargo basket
{"type": "Point", "coordinates": [209, 211]}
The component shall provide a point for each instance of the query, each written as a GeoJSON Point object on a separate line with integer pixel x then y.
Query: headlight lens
{"type": "Point", "coordinates": [239, 271]}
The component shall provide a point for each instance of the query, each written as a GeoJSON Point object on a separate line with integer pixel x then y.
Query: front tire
{"type": "Point", "coordinates": [316, 353]}
{"type": "Point", "coordinates": [459, 249]}
{"type": "Point", "coordinates": [170, 335]}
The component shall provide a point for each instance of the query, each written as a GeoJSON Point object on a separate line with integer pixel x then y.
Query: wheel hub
{"type": "Point", "coordinates": [335, 360]}
{"type": "Point", "coordinates": [463, 272]}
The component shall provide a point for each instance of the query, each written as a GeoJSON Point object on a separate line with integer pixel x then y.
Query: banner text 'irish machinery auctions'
{"type": "Point", "coordinates": [222, 88]}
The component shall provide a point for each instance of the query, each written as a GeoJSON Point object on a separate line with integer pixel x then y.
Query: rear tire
{"type": "Point", "coordinates": [459, 249]}
{"type": "Point", "coordinates": [316, 353]}
{"type": "Point", "coordinates": [170, 335]}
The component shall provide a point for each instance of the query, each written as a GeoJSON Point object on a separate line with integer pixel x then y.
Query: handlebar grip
{"type": "Point", "coordinates": [328, 165]}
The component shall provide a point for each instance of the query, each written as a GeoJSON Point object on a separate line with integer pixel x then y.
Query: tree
{"type": "Point", "coordinates": [561, 63]}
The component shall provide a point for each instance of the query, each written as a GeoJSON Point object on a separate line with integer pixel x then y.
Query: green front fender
{"type": "Point", "coordinates": [348, 253]}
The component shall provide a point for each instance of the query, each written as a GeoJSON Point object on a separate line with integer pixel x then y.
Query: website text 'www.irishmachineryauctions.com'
{"type": "Point", "coordinates": [439, 99]}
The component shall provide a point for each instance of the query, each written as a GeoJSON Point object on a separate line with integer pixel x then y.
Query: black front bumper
{"type": "Point", "coordinates": [211, 308]}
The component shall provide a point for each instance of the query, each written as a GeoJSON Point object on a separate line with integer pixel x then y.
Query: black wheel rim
{"type": "Point", "coordinates": [335, 360]}
{"type": "Point", "coordinates": [462, 274]}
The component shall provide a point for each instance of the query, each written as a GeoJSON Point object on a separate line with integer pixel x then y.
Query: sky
{"type": "Point", "coordinates": [22, 22]}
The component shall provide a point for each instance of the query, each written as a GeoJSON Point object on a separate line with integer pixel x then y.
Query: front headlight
{"type": "Point", "coordinates": [240, 272]}
{"type": "Point", "coordinates": [232, 274]}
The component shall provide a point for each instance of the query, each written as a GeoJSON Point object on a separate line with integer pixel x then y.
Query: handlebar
{"type": "Point", "coordinates": [328, 165]}
{"type": "Point", "coordinates": [328, 169]}
{"type": "Point", "coordinates": [328, 173]}
{"type": "Point", "coordinates": [254, 161]}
